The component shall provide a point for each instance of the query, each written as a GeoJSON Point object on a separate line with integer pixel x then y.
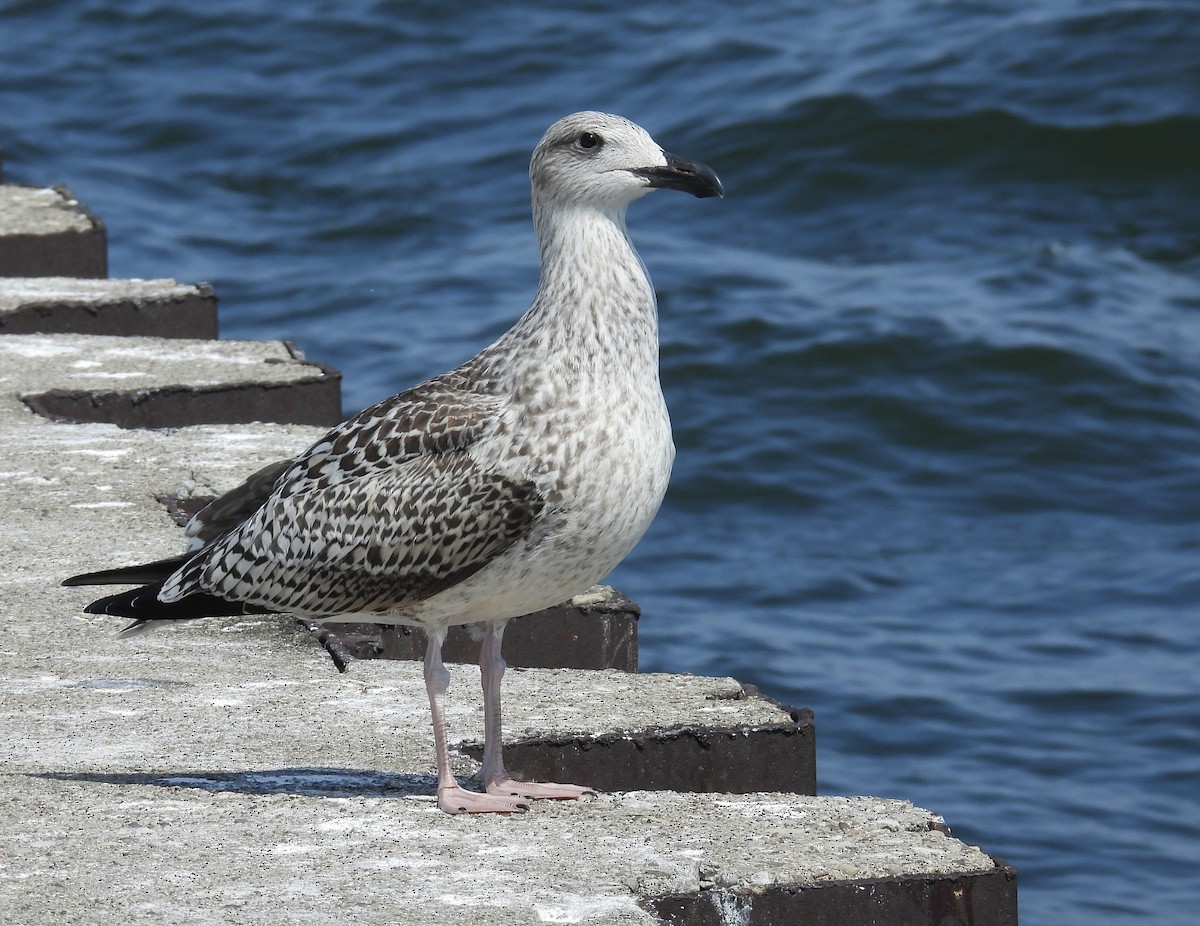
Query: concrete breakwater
{"type": "Point", "coordinates": [226, 770]}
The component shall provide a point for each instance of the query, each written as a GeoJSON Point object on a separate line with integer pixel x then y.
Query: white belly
{"type": "Point", "coordinates": [602, 491]}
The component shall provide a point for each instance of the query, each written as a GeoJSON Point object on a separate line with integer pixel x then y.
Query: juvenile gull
{"type": "Point", "coordinates": [507, 485]}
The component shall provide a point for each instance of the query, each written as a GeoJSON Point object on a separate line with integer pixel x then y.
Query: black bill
{"type": "Point", "coordinates": [681, 174]}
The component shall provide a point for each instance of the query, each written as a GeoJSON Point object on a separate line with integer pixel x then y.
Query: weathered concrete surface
{"type": "Point", "coordinates": [159, 383]}
{"type": "Point", "coordinates": [229, 774]}
{"type": "Point", "coordinates": [46, 231]}
{"type": "Point", "coordinates": [129, 308]}
{"type": "Point", "coordinates": [222, 771]}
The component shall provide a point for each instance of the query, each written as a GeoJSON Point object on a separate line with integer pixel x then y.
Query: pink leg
{"type": "Point", "coordinates": [452, 798]}
{"type": "Point", "coordinates": [495, 778]}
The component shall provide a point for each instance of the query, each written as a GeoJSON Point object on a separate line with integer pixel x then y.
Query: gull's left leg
{"type": "Point", "coordinates": [495, 778]}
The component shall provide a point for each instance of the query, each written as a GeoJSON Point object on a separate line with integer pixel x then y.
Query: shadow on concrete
{"type": "Point", "coordinates": [307, 782]}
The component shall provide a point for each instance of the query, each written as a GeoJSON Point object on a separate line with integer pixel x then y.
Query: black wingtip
{"type": "Point", "coordinates": [137, 603]}
{"type": "Point", "coordinates": [143, 605]}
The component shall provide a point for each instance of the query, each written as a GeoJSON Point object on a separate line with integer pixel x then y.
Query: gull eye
{"type": "Point", "coordinates": [590, 140]}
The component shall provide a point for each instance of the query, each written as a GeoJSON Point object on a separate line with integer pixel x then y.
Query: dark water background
{"type": "Point", "coordinates": [933, 363]}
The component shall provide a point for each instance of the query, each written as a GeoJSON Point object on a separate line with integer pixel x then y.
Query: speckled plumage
{"type": "Point", "coordinates": [504, 486]}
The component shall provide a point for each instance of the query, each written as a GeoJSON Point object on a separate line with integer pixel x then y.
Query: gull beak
{"type": "Point", "coordinates": [681, 174]}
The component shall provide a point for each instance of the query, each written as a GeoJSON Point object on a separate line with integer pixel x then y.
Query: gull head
{"type": "Point", "coordinates": [606, 162]}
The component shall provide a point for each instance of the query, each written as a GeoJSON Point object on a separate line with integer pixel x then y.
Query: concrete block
{"type": "Point", "coordinates": [142, 308]}
{"type": "Point", "coordinates": [596, 630]}
{"type": "Point", "coordinates": [46, 232]}
{"type": "Point", "coordinates": [706, 753]}
{"type": "Point", "coordinates": [155, 383]}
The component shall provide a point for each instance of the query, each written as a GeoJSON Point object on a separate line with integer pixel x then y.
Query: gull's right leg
{"type": "Point", "coordinates": [495, 778]}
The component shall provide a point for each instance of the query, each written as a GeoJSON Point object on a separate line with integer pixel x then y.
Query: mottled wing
{"type": "Point", "coordinates": [397, 429]}
{"type": "Point", "coordinates": [388, 509]}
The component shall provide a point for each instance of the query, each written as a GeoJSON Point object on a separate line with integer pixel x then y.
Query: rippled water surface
{"type": "Point", "coordinates": [932, 363]}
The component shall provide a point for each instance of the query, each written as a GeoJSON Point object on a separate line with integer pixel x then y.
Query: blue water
{"type": "Point", "coordinates": [933, 362]}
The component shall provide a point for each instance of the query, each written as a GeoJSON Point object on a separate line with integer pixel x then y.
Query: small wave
{"type": "Point", "coordinates": [996, 427]}
{"type": "Point", "coordinates": [850, 137]}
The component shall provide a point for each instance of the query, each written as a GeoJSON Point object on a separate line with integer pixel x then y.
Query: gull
{"type": "Point", "coordinates": [507, 485]}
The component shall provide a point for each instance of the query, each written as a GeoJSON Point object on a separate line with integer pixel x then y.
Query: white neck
{"type": "Point", "coordinates": [594, 291]}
